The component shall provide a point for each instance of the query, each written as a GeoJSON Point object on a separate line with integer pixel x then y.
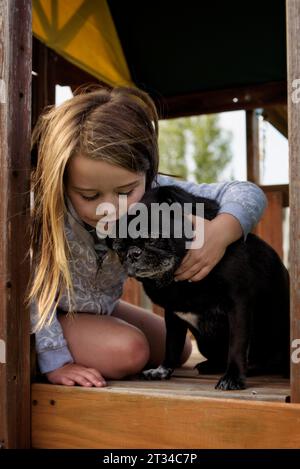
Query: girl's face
{"type": "Point", "coordinates": [91, 182]}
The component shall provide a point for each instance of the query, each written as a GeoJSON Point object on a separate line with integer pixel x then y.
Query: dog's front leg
{"type": "Point", "coordinates": [239, 337]}
{"type": "Point", "coordinates": [176, 330]}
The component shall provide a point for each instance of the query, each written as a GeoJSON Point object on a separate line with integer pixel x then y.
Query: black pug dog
{"type": "Point", "coordinates": [239, 313]}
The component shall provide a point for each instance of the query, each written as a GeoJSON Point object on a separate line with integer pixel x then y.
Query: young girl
{"type": "Point", "coordinates": [91, 149]}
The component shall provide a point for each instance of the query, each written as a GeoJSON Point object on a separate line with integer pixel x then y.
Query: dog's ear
{"type": "Point", "coordinates": [162, 194]}
{"type": "Point", "coordinates": [169, 194]}
{"type": "Point", "coordinates": [172, 194]}
{"type": "Point", "coordinates": [109, 242]}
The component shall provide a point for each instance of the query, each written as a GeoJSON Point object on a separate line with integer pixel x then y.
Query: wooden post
{"type": "Point", "coordinates": [15, 106]}
{"type": "Point", "coordinates": [43, 81]}
{"type": "Point", "coordinates": [252, 135]}
{"type": "Point", "coordinates": [293, 56]}
{"type": "Point", "coordinates": [270, 226]}
{"type": "Point", "coordinates": [43, 84]}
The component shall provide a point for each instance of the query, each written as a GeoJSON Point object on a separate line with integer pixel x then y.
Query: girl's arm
{"type": "Point", "coordinates": [241, 206]}
{"type": "Point", "coordinates": [55, 359]}
{"type": "Point", "coordinates": [51, 346]}
{"type": "Point", "coordinates": [242, 199]}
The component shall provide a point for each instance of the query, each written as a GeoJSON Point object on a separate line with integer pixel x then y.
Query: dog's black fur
{"type": "Point", "coordinates": [241, 308]}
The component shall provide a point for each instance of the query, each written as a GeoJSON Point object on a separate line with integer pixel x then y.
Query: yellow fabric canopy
{"type": "Point", "coordinates": [83, 32]}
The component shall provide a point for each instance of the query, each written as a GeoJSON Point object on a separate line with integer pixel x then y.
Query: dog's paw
{"type": "Point", "coordinates": [158, 373]}
{"type": "Point", "coordinates": [230, 383]}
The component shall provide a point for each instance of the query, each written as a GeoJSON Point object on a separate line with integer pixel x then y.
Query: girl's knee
{"type": "Point", "coordinates": [132, 354]}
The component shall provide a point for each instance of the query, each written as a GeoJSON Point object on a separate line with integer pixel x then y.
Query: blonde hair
{"type": "Point", "coordinates": [118, 125]}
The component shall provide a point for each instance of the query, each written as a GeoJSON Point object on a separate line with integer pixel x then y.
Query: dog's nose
{"type": "Point", "coordinates": [134, 253]}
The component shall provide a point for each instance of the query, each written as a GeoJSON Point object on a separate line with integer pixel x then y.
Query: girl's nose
{"type": "Point", "coordinates": [107, 209]}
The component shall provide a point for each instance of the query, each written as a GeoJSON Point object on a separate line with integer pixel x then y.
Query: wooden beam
{"type": "Point", "coordinates": [253, 156]}
{"type": "Point", "coordinates": [72, 417]}
{"type": "Point", "coordinates": [283, 188]}
{"type": "Point", "coordinates": [293, 55]}
{"type": "Point", "coordinates": [277, 116]}
{"type": "Point", "coordinates": [15, 109]}
{"type": "Point", "coordinates": [269, 227]}
{"type": "Point", "coordinates": [213, 101]}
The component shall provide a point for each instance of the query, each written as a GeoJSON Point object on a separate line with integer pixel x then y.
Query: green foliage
{"type": "Point", "coordinates": [198, 138]}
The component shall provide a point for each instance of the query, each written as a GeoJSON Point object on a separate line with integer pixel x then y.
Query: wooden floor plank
{"type": "Point", "coordinates": [183, 412]}
{"type": "Point", "coordinates": [205, 387]}
{"type": "Point", "coordinates": [76, 417]}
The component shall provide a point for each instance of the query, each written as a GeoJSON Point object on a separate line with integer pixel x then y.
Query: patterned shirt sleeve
{"type": "Point", "coordinates": [51, 346]}
{"type": "Point", "coordinates": [242, 199]}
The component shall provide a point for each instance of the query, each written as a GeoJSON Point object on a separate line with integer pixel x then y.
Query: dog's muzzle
{"type": "Point", "coordinates": [133, 255]}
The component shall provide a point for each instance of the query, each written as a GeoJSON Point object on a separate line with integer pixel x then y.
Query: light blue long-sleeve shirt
{"type": "Point", "coordinates": [99, 292]}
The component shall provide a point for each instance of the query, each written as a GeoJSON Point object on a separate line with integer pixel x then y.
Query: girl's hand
{"type": "Point", "coordinates": [72, 373]}
{"type": "Point", "coordinates": [218, 234]}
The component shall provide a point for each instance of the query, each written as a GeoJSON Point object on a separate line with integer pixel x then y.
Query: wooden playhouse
{"type": "Point", "coordinates": [200, 58]}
